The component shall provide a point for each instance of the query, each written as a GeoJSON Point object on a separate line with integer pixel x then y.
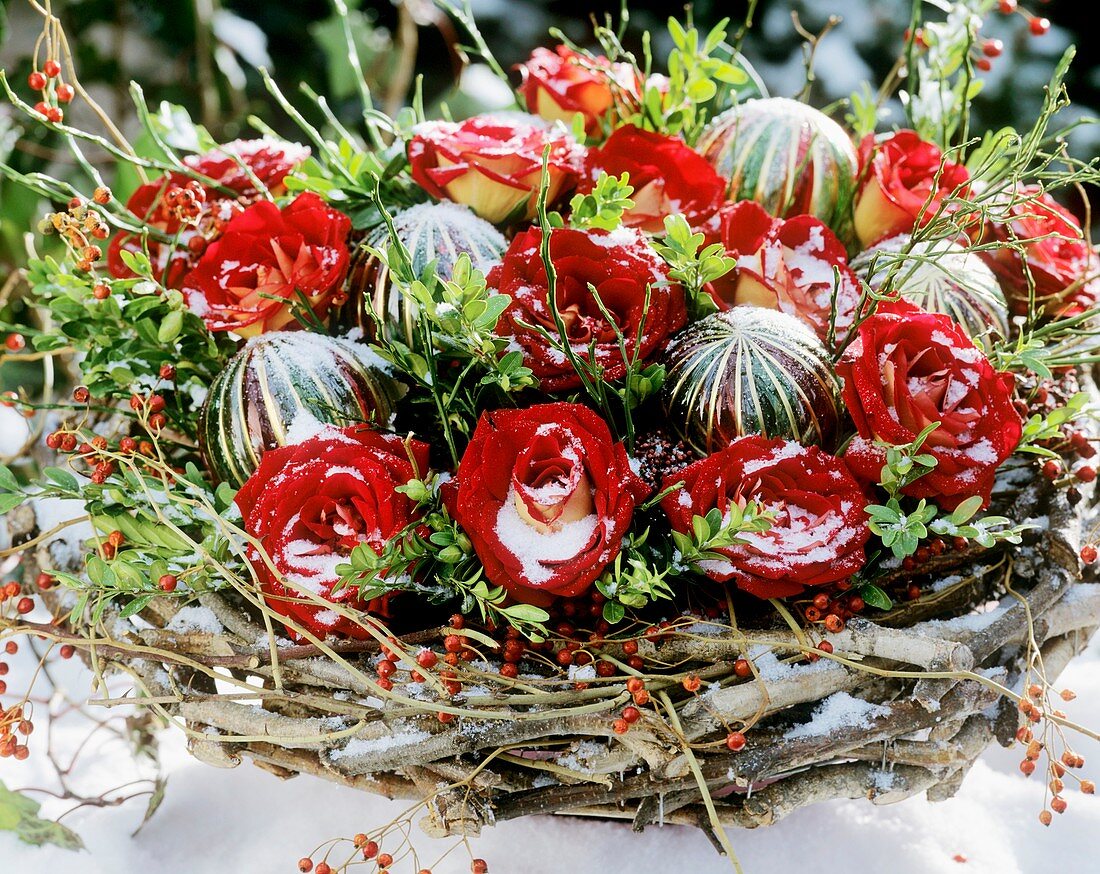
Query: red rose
{"type": "Point", "coordinates": [560, 83]}
{"type": "Point", "coordinates": [492, 166]}
{"type": "Point", "coordinates": [908, 368]}
{"type": "Point", "coordinates": [269, 160]}
{"type": "Point", "coordinates": [311, 503]}
{"type": "Point", "coordinates": [546, 496]}
{"type": "Point", "coordinates": [196, 214]}
{"type": "Point", "coordinates": [620, 266]}
{"type": "Point", "coordinates": [266, 252]}
{"type": "Point", "coordinates": [789, 265]}
{"type": "Point", "coordinates": [819, 530]}
{"type": "Point", "coordinates": [905, 183]}
{"type": "Point", "coordinates": [668, 177]}
{"type": "Point", "coordinates": [1064, 268]}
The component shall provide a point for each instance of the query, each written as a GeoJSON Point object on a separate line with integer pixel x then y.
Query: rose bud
{"type": "Point", "coordinates": [268, 253]}
{"type": "Point", "coordinates": [1064, 268]}
{"type": "Point", "coordinates": [904, 180]}
{"type": "Point", "coordinates": [545, 495]}
{"type": "Point", "coordinates": [560, 83]}
{"type": "Point", "coordinates": [619, 266]}
{"type": "Point", "coordinates": [908, 369]}
{"type": "Point", "coordinates": [311, 503]}
{"type": "Point", "coordinates": [493, 166]}
{"type": "Point", "coordinates": [668, 177]}
{"type": "Point", "coordinates": [819, 530]}
{"type": "Point", "coordinates": [788, 265]}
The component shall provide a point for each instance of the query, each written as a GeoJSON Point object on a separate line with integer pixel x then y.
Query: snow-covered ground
{"type": "Point", "coordinates": [246, 820]}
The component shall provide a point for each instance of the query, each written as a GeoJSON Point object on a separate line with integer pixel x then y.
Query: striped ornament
{"type": "Point", "coordinates": [278, 377]}
{"type": "Point", "coordinates": [750, 370]}
{"type": "Point", "coordinates": [787, 156]}
{"type": "Point", "coordinates": [430, 231]}
{"type": "Point", "coordinates": [941, 277]}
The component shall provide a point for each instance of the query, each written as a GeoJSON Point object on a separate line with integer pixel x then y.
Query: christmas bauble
{"type": "Point", "coordinates": [750, 370]}
{"type": "Point", "coordinates": [787, 156]}
{"type": "Point", "coordinates": [940, 277]}
{"type": "Point", "coordinates": [285, 382]}
{"type": "Point", "coordinates": [439, 232]}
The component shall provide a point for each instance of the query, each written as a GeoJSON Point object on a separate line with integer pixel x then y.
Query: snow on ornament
{"type": "Point", "coordinates": [790, 158]}
{"type": "Point", "coordinates": [750, 370]}
{"type": "Point", "coordinates": [439, 232]}
{"type": "Point", "coordinates": [284, 386]}
{"type": "Point", "coordinates": [940, 277]}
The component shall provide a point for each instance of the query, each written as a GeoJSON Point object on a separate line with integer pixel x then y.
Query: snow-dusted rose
{"type": "Point", "coordinates": [905, 181]}
{"type": "Point", "coordinates": [560, 83]}
{"type": "Point", "coordinates": [545, 494]}
{"type": "Point", "coordinates": [194, 213]}
{"type": "Point", "coordinates": [619, 265]}
{"type": "Point", "coordinates": [794, 265]}
{"type": "Point", "coordinates": [668, 177]}
{"type": "Point", "coordinates": [1064, 268]}
{"type": "Point", "coordinates": [908, 369]}
{"type": "Point", "coordinates": [493, 166]}
{"type": "Point", "coordinates": [311, 503]}
{"type": "Point", "coordinates": [247, 279]}
{"type": "Point", "coordinates": [819, 527]}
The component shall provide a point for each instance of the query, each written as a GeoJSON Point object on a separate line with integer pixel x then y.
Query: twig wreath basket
{"type": "Point", "coordinates": [656, 449]}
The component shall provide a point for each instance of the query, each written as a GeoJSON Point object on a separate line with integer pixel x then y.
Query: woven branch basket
{"type": "Point", "coordinates": [890, 713]}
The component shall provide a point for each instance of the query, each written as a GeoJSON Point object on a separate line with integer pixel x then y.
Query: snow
{"type": "Point", "coordinates": [992, 822]}
{"type": "Point", "coordinates": [196, 618]}
{"type": "Point", "coordinates": [538, 552]}
{"type": "Point", "coordinates": [14, 431]}
{"type": "Point", "coordinates": [835, 712]}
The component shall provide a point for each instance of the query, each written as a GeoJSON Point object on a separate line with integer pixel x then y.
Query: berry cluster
{"type": "Point", "coordinates": [52, 90]}
{"type": "Point", "coordinates": [81, 226]}
{"type": "Point", "coordinates": [372, 852]}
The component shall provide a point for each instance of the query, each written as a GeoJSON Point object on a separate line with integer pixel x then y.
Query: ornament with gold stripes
{"type": "Point", "coordinates": [283, 385]}
{"type": "Point", "coordinates": [750, 370]}
{"type": "Point", "coordinates": [789, 157]}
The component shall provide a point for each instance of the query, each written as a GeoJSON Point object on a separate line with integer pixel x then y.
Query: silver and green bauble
{"type": "Point", "coordinates": [789, 157]}
{"type": "Point", "coordinates": [281, 377]}
{"type": "Point", "coordinates": [750, 370]}
{"type": "Point", "coordinates": [940, 277]}
{"type": "Point", "coordinates": [439, 232]}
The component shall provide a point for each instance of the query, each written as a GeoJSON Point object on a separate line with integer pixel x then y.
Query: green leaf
{"type": "Point", "coordinates": [526, 613]}
{"type": "Point", "coordinates": [967, 509]}
{"type": "Point", "coordinates": [613, 612]}
{"type": "Point", "coordinates": [875, 596]}
{"type": "Point", "coordinates": [19, 814]}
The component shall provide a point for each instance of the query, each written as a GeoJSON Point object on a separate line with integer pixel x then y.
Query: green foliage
{"type": "Point", "coordinates": [126, 338]}
{"type": "Point", "coordinates": [693, 265]}
{"type": "Point", "coordinates": [434, 559]}
{"type": "Point", "coordinates": [899, 530]}
{"type": "Point", "coordinates": [604, 206]}
{"type": "Point", "coordinates": [19, 814]}
{"type": "Point", "coordinates": [1039, 429]}
{"type": "Point", "coordinates": [905, 463]}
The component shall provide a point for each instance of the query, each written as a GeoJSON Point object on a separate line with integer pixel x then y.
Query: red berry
{"type": "Point", "coordinates": [385, 860]}
{"type": "Point", "coordinates": [386, 669]}
{"type": "Point", "coordinates": [51, 68]}
{"type": "Point", "coordinates": [1058, 804]}
{"type": "Point", "coordinates": [168, 582]}
{"type": "Point", "coordinates": [67, 650]}
{"type": "Point", "coordinates": [825, 646]}
{"type": "Point", "coordinates": [323, 868]}
{"type": "Point", "coordinates": [631, 714]}
{"type": "Point", "coordinates": [635, 685]}
{"type": "Point", "coordinates": [454, 643]}
{"type": "Point", "coordinates": [370, 849]}
{"type": "Point", "coordinates": [479, 866]}
{"type": "Point", "coordinates": [101, 292]}
{"type": "Point", "coordinates": [1052, 469]}
{"type": "Point", "coordinates": [692, 683]}
{"type": "Point", "coordinates": [24, 606]}
{"type": "Point", "coordinates": [1088, 553]}
{"type": "Point", "coordinates": [158, 421]}
{"type": "Point", "coordinates": [509, 670]}
{"type": "Point", "coordinates": [620, 726]}
{"type": "Point", "coordinates": [564, 657]}
{"type": "Point", "coordinates": [457, 621]}
{"type": "Point", "coordinates": [735, 741]}
{"type": "Point", "coordinates": [127, 444]}
{"type": "Point", "coordinates": [1039, 26]}
{"type": "Point", "coordinates": [1027, 767]}
{"type": "Point", "coordinates": [42, 108]}
{"type": "Point", "coordinates": [45, 581]}
{"type": "Point", "coordinates": [1086, 473]}
{"type": "Point", "coordinates": [983, 64]}
{"type": "Point", "coordinates": [1045, 817]}
{"type": "Point", "coordinates": [305, 865]}
{"type": "Point", "coordinates": [54, 114]}
{"type": "Point", "coordinates": [445, 717]}
{"type": "Point", "coordinates": [426, 658]}
{"type": "Point", "coordinates": [11, 647]}
{"type": "Point", "coordinates": [36, 81]}
{"type": "Point", "coordinates": [15, 342]}
{"type": "Point", "coordinates": [65, 92]}
{"type": "Point", "coordinates": [167, 371]}
{"type": "Point", "coordinates": [992, 48]}
{"type": "Point", "coordinates": [1007, 7]}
